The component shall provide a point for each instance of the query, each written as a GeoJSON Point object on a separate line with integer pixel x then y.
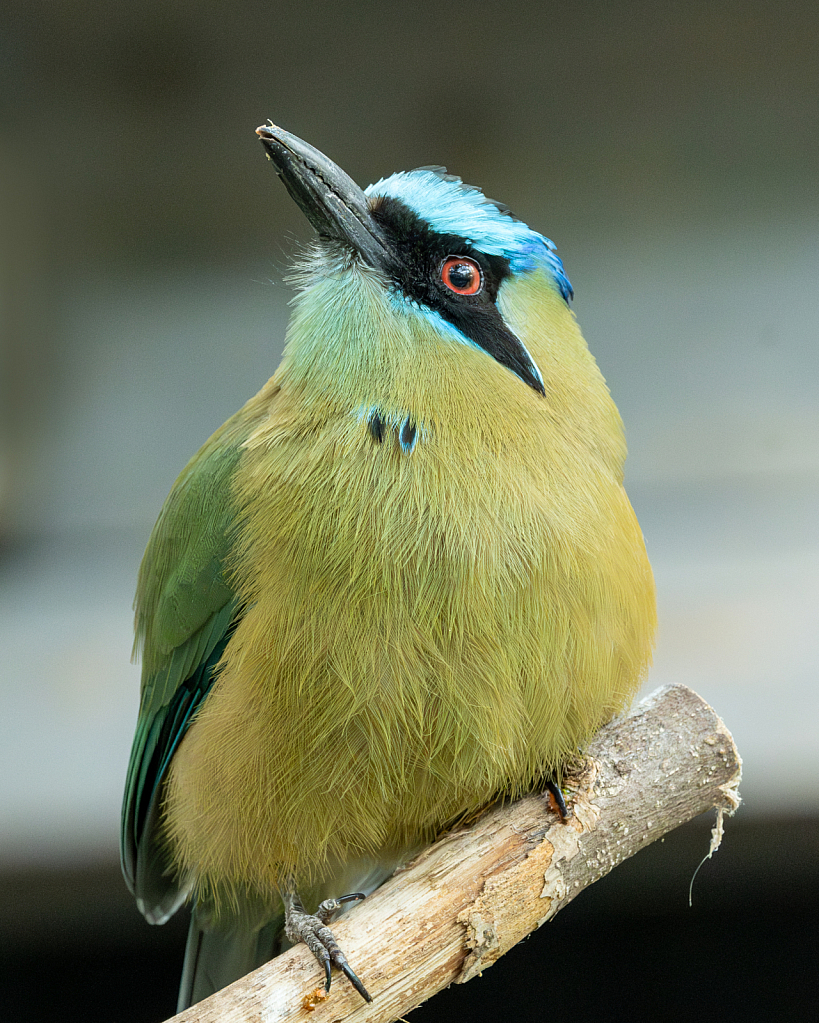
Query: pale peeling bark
{"type": "Point", "coordinates": [475, 893]}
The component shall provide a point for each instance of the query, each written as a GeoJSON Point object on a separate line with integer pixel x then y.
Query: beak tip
{"type": "Point", "coordinates": [330, 199]}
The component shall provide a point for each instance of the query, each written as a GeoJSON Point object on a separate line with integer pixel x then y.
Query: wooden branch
{"type": "Point", "coordinates": [475, 893]}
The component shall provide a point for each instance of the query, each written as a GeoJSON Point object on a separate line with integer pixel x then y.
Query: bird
{"type": "Point", "coordinates": [404, 578]}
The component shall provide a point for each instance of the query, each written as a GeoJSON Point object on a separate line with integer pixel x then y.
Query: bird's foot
{"type": "Point", "coordinates": [556, 800]}
{"type": "Point", "coordinates": [312, 929]}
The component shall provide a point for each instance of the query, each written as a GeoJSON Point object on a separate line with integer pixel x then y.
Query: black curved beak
{"type": "Point", "coordinates": [329, 198]}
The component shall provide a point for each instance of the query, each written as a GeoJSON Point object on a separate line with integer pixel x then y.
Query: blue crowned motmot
{"type": "Point", "coordinates": [403, 578]}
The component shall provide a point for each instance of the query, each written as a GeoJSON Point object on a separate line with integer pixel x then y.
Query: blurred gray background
{"type": "Point", "coordinates": [670, 150]}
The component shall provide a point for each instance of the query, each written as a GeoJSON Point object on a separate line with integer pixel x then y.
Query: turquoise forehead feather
{"type": "Point", "coordinates": [451, 207]}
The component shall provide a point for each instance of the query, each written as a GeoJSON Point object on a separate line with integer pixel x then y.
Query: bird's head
{"type": "Point", "coordinates": [422, 292]}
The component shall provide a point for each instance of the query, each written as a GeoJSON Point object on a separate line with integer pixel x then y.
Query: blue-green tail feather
{"type": "Point", "coordinates": [218, 953]}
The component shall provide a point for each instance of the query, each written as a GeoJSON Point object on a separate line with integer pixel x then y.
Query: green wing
{"type": "Point", "coordinates": [185, 614]}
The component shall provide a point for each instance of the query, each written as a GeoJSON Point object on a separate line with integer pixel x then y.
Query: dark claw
{"type": "Point", "coordinates": [329, 907]}
{"type": "Point", "coordinates": [355, 897]}
{"type": "Point", "coordinates": [554, 790]}
{"type": "Point", "coordinates": [350, 975]}
{"type": "Point", "coordinates": [313, 931]}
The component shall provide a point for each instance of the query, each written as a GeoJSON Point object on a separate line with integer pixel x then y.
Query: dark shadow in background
{"type": "Point", "coordinates": [628, 950]}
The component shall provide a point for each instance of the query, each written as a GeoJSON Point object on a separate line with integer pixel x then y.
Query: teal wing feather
{"type": "Point", "coordinates": [185, 614]}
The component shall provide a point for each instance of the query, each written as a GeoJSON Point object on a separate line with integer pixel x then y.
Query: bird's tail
{"type": "Point", "coordinates": [217, 953]}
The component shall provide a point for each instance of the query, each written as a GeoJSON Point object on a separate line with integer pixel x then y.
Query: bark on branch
{"type": "Point", "coordinates": [475, 893]}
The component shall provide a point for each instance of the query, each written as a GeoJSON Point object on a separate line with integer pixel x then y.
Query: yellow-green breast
{"type": "Point", "coordinates": [420, 630]}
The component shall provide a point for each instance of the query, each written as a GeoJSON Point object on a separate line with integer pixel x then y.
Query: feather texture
{"type": "Point", "coordinates": [420, 633]}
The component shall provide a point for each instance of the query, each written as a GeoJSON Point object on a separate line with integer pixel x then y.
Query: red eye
{"type": "Point", "coordinates": [461, 275]}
